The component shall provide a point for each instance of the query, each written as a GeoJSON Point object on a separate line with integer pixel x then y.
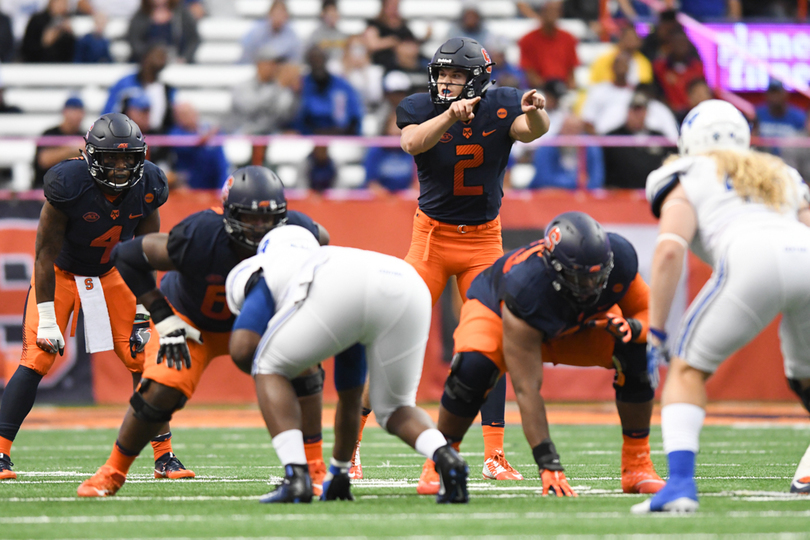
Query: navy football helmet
{"type": "Point", "coordinates": [254, 203]}
{"type": "Point", "coordinates": [109, 138]}
{"type": "Point", "coordinates": [465, 54]}
{"type": "Point", "coordinates": [578, 250]}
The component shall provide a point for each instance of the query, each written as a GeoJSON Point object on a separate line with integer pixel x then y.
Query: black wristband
{"type": "Point", "coordinates": [546, 456]}
{"type": "Point", "coordinates": [160, 310]}
{"type": "Point", "coordinates": [635, 328]}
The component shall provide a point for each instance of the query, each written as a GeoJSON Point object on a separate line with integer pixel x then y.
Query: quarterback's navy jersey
{"type": "Point", "coordinates": [203, 254]}
{"type": "Point", "coordinates": [461, 178]}
{"type": "Point", "coordinates": [523, 280]}
{"type": "Point", "coordinates": [95, 225]}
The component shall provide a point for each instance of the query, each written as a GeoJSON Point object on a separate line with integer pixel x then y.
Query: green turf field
{"type": "Point", "coordinates": [744, 473]}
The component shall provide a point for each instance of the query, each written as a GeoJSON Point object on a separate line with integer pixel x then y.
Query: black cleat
{"type": "Point", "coordinates": [295, 488]}
{"type": "Point", "coordinates": [168, 466]}
{"type": "Point", "coordinates": [337, 485]}
{"type": "Point", "coordinates": [453, 472]}
{"type": "Point", "coordinates": [6, 473]}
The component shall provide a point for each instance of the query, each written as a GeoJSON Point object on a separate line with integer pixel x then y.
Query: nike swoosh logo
{"type": "Point", "coordinates": [133, 216]}
{"type": "Point", "coordinates": [800, 485]}
{"type": "Point", "coordinates": [489, 132]}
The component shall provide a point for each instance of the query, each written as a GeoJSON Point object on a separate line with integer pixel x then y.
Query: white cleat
{"type": "Point", "coordinates": [683, 505]}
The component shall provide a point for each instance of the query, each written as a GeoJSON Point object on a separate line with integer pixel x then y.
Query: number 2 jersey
{"type": "Point", "coordinates": [461, 177]}
{"type": "Point", "coordinates": [95, 225]}
{"type": "Point", "coordinates": [522, 279]}
{"type": "Point", "coordinates": [204, 254]}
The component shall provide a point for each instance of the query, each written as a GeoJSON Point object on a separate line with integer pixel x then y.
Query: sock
{"type": "Point", "coordinates": [429, 441]}
{"type": "Point", "coordinates": [336, 467]}
{"type": "Point", "coordinates": [492, 410]}
{"type": "Point", "coordinates": [162, 444]}
{"type": "Point", "coordinates": [363, 420]}
{"type": "Point", "coordinates": [18, 398]}
{"type": "Point", "coordinates": [802, 471]}
{"type": "Point", "coordinates": [5, 446]}
{"type": "Point", "coordinates": [313, 447]}
{"type": "Point", "coordinates": [121, 459]}
{"type": "Point", "coordinates": [681, 424]}
{"type": "Point", "coordinates": [289, 447]}
{"type": "Point", "coordinates": [493, 439]}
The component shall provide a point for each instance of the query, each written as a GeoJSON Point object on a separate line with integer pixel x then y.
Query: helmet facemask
{"type": "Point", "coordinates": [581, 284]}
{"type": "Point", "coordinates": [472, 87]}
{"type": "Point", "coordinates": [102, 164]}
{"type": "Point", "coordinates": [247, 226]}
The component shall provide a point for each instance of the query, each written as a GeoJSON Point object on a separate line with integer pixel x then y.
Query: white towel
{"type": "Point", "coordinates": [97, 329]}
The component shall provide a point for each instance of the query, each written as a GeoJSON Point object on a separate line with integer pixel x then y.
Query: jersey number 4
{"type": "Point", "coordinates": [108, 240]}
{"type": "Point", "coordinates": [476, 159]}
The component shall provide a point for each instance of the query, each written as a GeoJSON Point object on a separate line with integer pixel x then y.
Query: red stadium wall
{"type": "Point", "coordinates": [384, 225]}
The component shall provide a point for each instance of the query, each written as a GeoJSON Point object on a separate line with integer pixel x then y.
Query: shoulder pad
{"type": "Point", "coordinates": [236, 285]}
{"type": "Point", "coordinates": [505, 95]}
{"type": "Point", "coordinates": [155, 181]}
{"type": "Point", "coordinates": [66, 180]}
{"type": "Point", "coordinates": [624, 254]}
{"type": "Point", "coordinates": [662, 180]}
{"type": "Point", "coordinates": [414, 109]}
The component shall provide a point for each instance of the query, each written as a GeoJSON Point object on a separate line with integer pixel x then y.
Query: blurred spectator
{"type": "Point", "coordinates": [470, 24]}
{"type": "Point", "coordinates": [329, 104]}
{"type": "Point", "coordinates": [318, 172]}
{"type": "Point", "coordinates": [396, 87]}
{"type": "Point", "coordinates": [506, 73]}
{"type": "Point", "coordinates": [657, 41]}
{"type": "Point", "coordinates": [778, 118]}
{"type": "Point", "coordinates": [5, 108]}
{"type": "Point", "coordinates": [703, 10]}
{"type": "Point", "coordinates": [275, 31]}
{"type": "Point", "coordinates": [628, 166]}
{"type": "Point", "coordinates": [586, 11]}
{"type": "Point", "coordinates": [409, 60]}
{"type": "Point", "coordinates": [94, 48]}
{"type": "Point", "coordinates": [262, 105]}
{"type": "Point", "coordinates": [6, 39]}
{"type": "Point", "coordinates": [49, 35]}
{"type": "Point", "coordinates": [549, 52]}
{"type": "Point", "coordinates": [145, 80]}
{"type": "Point", "coordinates": [659, 116]}
{"type": "Point", "coordinates": [137, 107]}
{"type": "Point", "coordinates": [560, 167]}
{"type": "Point", "coordinates": [640, 69]}
{"type": "Point", "coordinates": [327, 36]}
{"type": "Point", "coordinates": [633, 10]}
{"type": "Point", "coordinates": [196, 8]}
{"type": "Point", "coordinates": [553, 91]}
{"type": "Point", "coordinates": [606, 94]}
{"type": "Point", "coordinates": [676, 70]}
{"type": "Point", "coordinates": [167, 22]}
{"type": "Point", "coordinates": [48, 156]}
{"type": "Point", "coordinates": [199, 167]}
{"type": "Point", "coordinates": [389, 169]}
{"type": "Point", "coordinates": [364, 76]}
{"type": "Point", "coordinates": [385, 32]}
{"type": "Point", "coordinates": [698, 91]}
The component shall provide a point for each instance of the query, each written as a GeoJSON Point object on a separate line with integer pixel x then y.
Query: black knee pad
{"type": "Point", "coordinates": [309, 385]}
{"type": "Point", "coordinates": [147, 412]}
{"type": "Point", "coordinates": [631, 382]}
{"type": "Point", "coordinates": [472, 375]}
{"type": "Point", "coordinates": [804, 395]}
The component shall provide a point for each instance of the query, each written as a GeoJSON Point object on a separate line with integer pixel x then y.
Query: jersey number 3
{"type": "Point", "coordinates": [476, 159]}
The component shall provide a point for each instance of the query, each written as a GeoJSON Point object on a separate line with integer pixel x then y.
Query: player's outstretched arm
{"type": "Point", "coordinates": [50, 236]}
{"type": "Point", "coordinates": [419, 138]}
{"type": "Point", "coordinates": [534, 121]}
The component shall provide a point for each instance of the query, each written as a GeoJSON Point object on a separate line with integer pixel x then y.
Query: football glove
{"type": "Point", "coordinates": [657, 354]}
{"type": "Point", "coordinates": [140, 332]}
{"type": "Point", "coordinates": [174, 332]}
{"type": "Point", "coordinates": [624, 330]}
{"type": "Point", "coordinates": [555, 483]}
{"type": "Point", "coordinates": [49, 336]}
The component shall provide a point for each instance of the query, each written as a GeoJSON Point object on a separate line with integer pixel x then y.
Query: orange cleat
{"type": "Point", "coordinates": [429, 480]}
{"type": "Point", "coordinates": [638, 473]}
{"type": "Point", "coordinates": [497, 468]}
{"type": "Point", "coordinates": [317, 471]}
{"type": "Point", "coordinates": [105, 483]}
{"type": "Point", "coordinates": [168, 466]}
{"type": "Point", "coordinates": [6, 473]}
{"type": "Point", "coordinates": [356, 471]}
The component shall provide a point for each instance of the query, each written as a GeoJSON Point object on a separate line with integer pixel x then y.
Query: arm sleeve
{"type": "Point", "coordinates": [635, 304]}
{"type": "Point", "coordinates": [257, 310]}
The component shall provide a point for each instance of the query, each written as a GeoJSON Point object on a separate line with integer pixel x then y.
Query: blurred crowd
{"type": "Point", "coordinates": [338, 84]}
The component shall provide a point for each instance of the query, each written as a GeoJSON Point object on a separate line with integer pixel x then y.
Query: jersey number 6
{"type": "Point", "coordinates": [476, 152]}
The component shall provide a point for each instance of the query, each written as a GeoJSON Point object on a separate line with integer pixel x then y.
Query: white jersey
{"type": "Point", "coordinates": [722, 214]}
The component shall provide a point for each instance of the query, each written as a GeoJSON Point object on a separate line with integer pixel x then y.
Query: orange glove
{"type": "Point", "coordinates": [554, 482]}
{"type": "Point", "coordinates": [624, 330]}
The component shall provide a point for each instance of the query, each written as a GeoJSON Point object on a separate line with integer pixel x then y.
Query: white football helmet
{"type": "Point", "coordinates": [713, 125]}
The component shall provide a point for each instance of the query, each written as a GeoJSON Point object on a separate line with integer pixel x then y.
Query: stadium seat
{"type": "Point", "coordinates": [218, 52]}
{"type": "Point", "coordinates": [237, 151]}
{"type": "Point", "coordinates": [27, 124]}
{"type": "Point", "coordinates": [220, 29]}
{"type": "Point", "coordinates": [288, 175]}
{"type": "Point", "coordinates": [350, 176]}
{"type": "Point", "coordinates": [521, 175]}
{"type": "Point", "coordinates": [342, 153]}
{"type": "Point", "coordinates": [288, 151]}
{"type": "Point", "coordinates": [588, 52]}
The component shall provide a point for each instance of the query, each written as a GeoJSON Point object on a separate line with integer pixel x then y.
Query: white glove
{"type": "Point", "coordinates": [174, 332]}
{"type": "Point", "coordinates": [49, 337]}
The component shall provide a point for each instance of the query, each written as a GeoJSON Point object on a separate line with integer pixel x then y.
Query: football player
{"type": "Point", "coordinates": [191, 315]}
{"type": "Point", "coordinates": [460, 134]}
{"type": "Point", "coordinates": [720, 198]}
{"type": "Point", "coordinates": [108, 195]}
{"type": "Point", "coordinates": [298, 304]}
{"type": "Point", "coordinates": [575, 298]}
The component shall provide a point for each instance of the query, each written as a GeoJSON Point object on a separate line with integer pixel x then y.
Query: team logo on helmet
{"type": "Point", "coordinates": [485, 54]}
{"type": "Point", "coordinates": [553, 238]}
{"type": "Point", "coordinates": [467, 132]}
{"type": "Point", "coordinates": [114, 214]}
{"type": "Point", "coordinates": [226, 188]}
{"type": "Point", "coordinates": [123, 145]}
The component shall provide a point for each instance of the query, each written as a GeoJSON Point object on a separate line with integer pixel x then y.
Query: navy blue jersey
{"type": "Point", "coordinates": [461, 178]}
{"type": "Point", "coordinates": [203, 254]}
{"type": "Point", "coordinates": [522, 279]}
{"type": "Point", "coordinates": [95, 225]}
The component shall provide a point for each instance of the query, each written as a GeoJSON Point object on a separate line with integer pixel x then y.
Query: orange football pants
{"type": "Point", "coordinates": [440, 250]}
{"type": "Point", "coordinates": [120, 305]}
{"type": "Point", "coordinates": [481, 330]}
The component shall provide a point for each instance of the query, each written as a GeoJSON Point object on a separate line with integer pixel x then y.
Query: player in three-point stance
{"type": "Point", "coordinates": [720, 198]}
{"type": "Point", "coordinates": [92, 203]}
{"type": "Point", "coordinates": [299, 304]}
{"type": "Point", "coordinates": [191, 315]}
{"type": "Point", "coordinates": [576, 298]}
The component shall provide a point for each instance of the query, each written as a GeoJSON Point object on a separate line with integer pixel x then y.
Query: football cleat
{"type": "Point", "coordinates": [168, 466]}
{"type": "Point", "coordinates": [800, 485]}
{"type": "Point", "coordinates": [638, 473]}
{"type": "Point", "coordinates": [497, 468]}
{"type": "Point", "coordinates": [337, 485]}
{"type": "Point", "coordinates": [679, 497]}
{"type": "Point", "coordinates": [296, 487]}
{"type": "Point", "coordinates": [317, 470]}
{"type": "Point", "coordinates": [453, 472]}
{"type": "Point", "coordinates": [428, 480]}
{"type": "Point", "coordinates": [6, 473]}
{"type": "Point", "coordinates": [105, 483]}
{"type": "Point", "coordinates": [356, 471]}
